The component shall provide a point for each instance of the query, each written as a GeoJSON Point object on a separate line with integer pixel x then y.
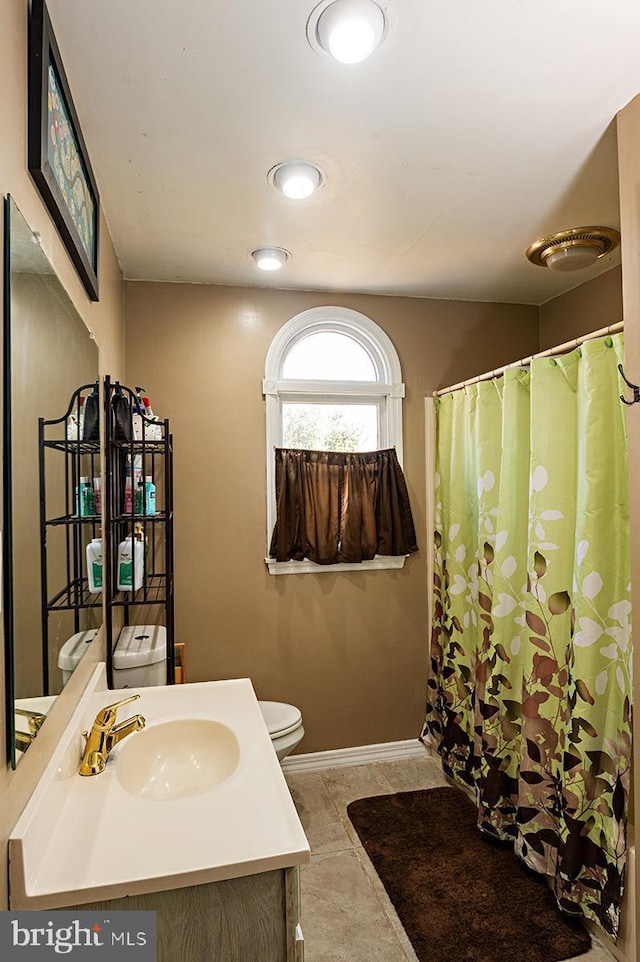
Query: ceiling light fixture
{"type": "Point", "coordinates": [348, 30]}
{"type": "Point", "coordinates": [572, 250]}
{"type": "Point", "coordinates": [296, 179]}
{"type": "Point", "coordinates": [270, 258]}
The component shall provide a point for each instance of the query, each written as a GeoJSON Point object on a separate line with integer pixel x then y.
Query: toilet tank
{"type": "Point", "coordinates": [73, 650]}
{"type": "Point", "coordinates": [140, 657]}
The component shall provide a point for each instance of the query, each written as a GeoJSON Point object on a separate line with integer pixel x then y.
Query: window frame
{"type": "Point", "coordinates": [388, 389]}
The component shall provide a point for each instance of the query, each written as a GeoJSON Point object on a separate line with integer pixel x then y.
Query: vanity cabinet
{"type": "Point", "coordinates": [69, 521]}
{"type": "Point", "coordinates": [255, 918]}
{"type": "Point", "coordinates": [215, 859]}
{"type": "Point", "coordinates": [137, 448]}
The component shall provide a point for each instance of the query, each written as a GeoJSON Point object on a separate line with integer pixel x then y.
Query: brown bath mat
{"type": "Point", "coordinates": [460, 896]}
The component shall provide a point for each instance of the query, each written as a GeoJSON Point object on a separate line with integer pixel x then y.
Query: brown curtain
{"type": "Point", "coordinates": [334, 506]}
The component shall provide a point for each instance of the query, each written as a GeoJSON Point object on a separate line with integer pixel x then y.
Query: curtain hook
{"type": "Point", "coordinates": [634, 387]}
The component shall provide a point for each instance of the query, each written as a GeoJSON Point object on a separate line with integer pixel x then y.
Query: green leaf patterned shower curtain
{"type": "Point", "coordinates": [529, 694]}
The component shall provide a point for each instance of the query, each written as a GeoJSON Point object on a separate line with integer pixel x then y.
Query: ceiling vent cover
{"type": "Point", "coordinates": [571, 250]}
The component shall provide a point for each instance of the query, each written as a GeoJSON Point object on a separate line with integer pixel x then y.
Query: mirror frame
{"type": "Point", "coordinates": [7, 500]}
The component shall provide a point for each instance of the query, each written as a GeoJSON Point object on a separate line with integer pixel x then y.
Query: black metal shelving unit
{"type": "Point", "coordinates": [155, 457]}
{"type": "Point", "coordinates": [75, 459]}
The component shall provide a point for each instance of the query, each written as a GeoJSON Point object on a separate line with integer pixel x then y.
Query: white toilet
{"type": "Point", "coordinates": [140, 657]}
{"type": "Point", "coordinates": [72, 651]}
{"type": "Point", "coordinates": [139, 661]}
{"type": "Point", "coordinates": [284, 724]}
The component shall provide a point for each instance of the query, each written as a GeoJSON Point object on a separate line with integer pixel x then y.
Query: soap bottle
{"type": "Point", "coordinates": [141, 537]}
{"type": "Point", "coordinates": [130, 564]}
{"type": "Point", "coordinates": [140, 497]}
{"type": "Point", "coordinates": [94, 565]}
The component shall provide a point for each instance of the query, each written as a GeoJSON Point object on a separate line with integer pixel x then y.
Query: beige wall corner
{"type": "Point", "coordinates": [629, 174]}
{"type": "Point", "coordinates": [585, 309]}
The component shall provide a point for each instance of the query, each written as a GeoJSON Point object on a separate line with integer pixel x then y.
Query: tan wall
{"type": "Point", "coordinates": [629, 175]}
{"type": "Point", "coordinates": [349, 649]}
{"type": "Point", "coordinates": [105, 319]}
{"type": "Point", "coordinates": [587, 308]}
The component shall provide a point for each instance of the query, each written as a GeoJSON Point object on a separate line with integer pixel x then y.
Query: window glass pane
{"type": "Point", "coordinates": [330, 427]}
{"type": "Point", "coordinates": [328, 355]}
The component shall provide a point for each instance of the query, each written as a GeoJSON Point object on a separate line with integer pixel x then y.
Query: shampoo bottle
{"type": "Point", "coordinates": [97, 495]}
{"type": "Point", "coordinates": [149, 495]}
{"type": "Point", "coordinates": [128, 489]}
{"type": "Point", "coordinates": [94, 565]}
{"type": "Point", "coordinates": [132, 477]}
{"type": "Point", "coordinates": [140, 497]}
{"type": "Point", "coordinates": [86, 500]}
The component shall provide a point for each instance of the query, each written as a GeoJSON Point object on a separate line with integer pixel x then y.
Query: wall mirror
{"type": "Point", "coordinates": [48, 355]}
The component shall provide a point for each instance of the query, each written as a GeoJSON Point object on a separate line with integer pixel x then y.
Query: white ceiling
{"type": "Point", "coordinates": [476, 127]}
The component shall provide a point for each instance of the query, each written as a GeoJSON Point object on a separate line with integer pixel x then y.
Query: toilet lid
{"type": "Point", "coordinates": [279, 717]}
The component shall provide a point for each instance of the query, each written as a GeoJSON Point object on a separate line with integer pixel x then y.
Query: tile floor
{"type": "Point", "coordinates": [346, 915]}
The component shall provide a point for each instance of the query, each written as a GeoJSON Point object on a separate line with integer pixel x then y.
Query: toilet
{"type": "Point", "coordinates": [284, 724]}
{"type": "Point", "coordinates": [140, 657]}
{"type": "Point", "coordinates": [139, 661]}
{"type": "Point", "coordinates": [73, 650]}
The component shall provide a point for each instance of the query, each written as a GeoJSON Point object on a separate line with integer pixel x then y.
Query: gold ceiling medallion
{"type": "Point", "coordinates": [571, 250]}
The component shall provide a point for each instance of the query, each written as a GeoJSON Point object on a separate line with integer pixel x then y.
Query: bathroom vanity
{"type": "Point", "coordinates": [190, 818]}
{"type": "Point", "coordinates": [250, 919]}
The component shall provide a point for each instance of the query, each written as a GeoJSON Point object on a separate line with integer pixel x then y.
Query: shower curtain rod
{"type": "Point", "coordinates": [560, 349]}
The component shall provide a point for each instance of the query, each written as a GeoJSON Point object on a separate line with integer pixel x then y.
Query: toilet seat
{"type": "Point", "coordinates": [281, 719]}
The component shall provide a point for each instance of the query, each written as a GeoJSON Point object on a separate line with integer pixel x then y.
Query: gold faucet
{"type": "Point", "coordinates": [23, 740]}
{"type": "Point", "coordinates": [35, 719]}
{"type": "Point", "coordinates": [105, 735]}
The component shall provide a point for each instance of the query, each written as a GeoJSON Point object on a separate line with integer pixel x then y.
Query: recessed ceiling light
{"type": "Point", "coordinates": [270, 258]}
{"type": "Point", "coordinates": [296, 179]}
{"type": "Point", "coordinates": [572, 250]}
{"type": "Point", "coordinates": [348, 30]}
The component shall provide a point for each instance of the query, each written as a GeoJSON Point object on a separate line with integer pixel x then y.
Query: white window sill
{"type": "Point", "coordinates": [310, 567]}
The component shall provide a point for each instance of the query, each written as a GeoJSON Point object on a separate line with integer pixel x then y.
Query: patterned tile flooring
{"type": "Point", "coordinates": [346, 914]}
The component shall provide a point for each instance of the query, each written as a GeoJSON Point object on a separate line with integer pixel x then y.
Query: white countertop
{"type": "Point", "coordinates": [82, 839]}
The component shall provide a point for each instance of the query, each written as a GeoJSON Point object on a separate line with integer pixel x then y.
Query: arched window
{"type": "Point", "coordinates": [332, 382]}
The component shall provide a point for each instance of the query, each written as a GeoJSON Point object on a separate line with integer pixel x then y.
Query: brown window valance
{"type": "Point", "coordinates": [334, 506]}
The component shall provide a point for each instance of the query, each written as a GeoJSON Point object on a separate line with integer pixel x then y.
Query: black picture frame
{"type": "Point", "coordinates": [57, 155]}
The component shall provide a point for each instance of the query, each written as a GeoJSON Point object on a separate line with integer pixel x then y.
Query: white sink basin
{"type": "Point", "coordinates": [177, 759]}
{"type": "Point", "coordinates": [203, 771]}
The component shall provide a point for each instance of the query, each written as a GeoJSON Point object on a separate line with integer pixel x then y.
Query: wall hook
{"type": "Point", "coordinates": [634, 387]}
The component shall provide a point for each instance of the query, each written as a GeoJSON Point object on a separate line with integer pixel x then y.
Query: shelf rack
{"type": "Point", "coordinates": [154, 455]}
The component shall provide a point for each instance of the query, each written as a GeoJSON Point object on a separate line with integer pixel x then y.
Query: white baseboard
{"type": "Point", "coordinates": [362, 755]}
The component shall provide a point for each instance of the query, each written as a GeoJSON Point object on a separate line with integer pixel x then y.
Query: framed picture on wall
{"type": "Point", "coordinates": [57, 156]}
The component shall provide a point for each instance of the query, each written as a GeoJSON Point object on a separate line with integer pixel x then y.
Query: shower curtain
{"type": "Point", "coordinates": [529, 694]}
